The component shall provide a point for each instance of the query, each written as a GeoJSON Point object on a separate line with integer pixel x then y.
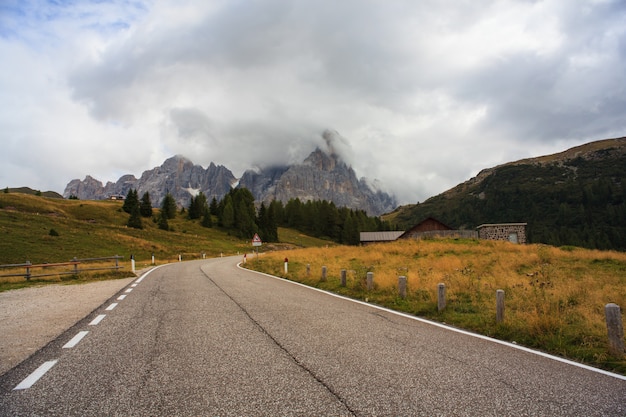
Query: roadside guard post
{"type": "Point", "coordinates": [256, 242]}
{"type": "Point", "coordinates": [286, 265]}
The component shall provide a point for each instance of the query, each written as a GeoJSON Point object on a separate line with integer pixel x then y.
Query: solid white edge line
{"type": "Point", "coordinates": [74, 341]}
{"type": "Point", "coordinates": [34, 377]}
{"type": "Point", "coordinates": [443, 326]}
{"type": "Point", "coordinates": [141, 278]}
{"type": "Point", "coordinates": [97, 320]}
{"type": "Point", "coordinates": [111, 307]}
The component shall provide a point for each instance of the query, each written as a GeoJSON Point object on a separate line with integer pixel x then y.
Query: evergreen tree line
{"type": "Point", "coordinates": [237, 214]}
{"type": "Point", "coordinates": [586, 209]}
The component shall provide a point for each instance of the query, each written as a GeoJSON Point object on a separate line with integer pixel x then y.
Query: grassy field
{"type": "Point", "coordinates": [51, 230]}
{"type": "Point", "coordinates": [554, 297]}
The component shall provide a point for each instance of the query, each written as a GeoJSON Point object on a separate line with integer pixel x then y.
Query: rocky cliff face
{"type": "Point", "coordinates": [178, 176]}
{"type": "Point", "coordinates": [321, 176]}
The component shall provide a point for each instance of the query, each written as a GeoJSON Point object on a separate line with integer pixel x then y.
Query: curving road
{"type": "Point", "coordinates": [206, 338]}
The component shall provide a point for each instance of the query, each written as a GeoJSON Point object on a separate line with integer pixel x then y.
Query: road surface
{"type": "Point", "coordinates": [205, 338]}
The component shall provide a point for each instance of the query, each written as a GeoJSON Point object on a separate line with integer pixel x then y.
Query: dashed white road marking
{"type": "Point", "coordinates": [34, 377]}
{"type": "Point", "coordinates": [133, 285]}
{"type": "Point", "coordinates": [111, 307]}
{"type": "Point", "coordinates": [97, 320]}
{"type": "Point", "coordinates": [128, 290]}
{"type": "Point", "coordinates": [121, 297]}
{"type": "Point", "coordinates": [79, 336]}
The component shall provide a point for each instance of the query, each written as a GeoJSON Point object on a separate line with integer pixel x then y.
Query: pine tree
{"type": "Point", "coordinates": [145, 207]}
{"type": "Point", "coordinates": [214, 207]}
{"type": "Point", "coordinates": [168, 207]}
{"type": "Point", "coordinates": [134, 220]}
{"type": "Point", "coordinates": [207, 221]}
{"type": "Point", "coordinates": [163, 225]}
{"type": "Point", "coordinates": [227, 218]}
{"type": "Point", "coordinates": [131, 201]}
{"type": "Point", "coordinates": [197, 206]}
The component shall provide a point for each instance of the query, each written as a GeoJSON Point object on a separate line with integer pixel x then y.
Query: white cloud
{"type": "Point", "coordinates": [421, 94]}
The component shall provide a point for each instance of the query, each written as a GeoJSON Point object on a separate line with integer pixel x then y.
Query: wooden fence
{"type": "Point", "coordinates": [74, 266]}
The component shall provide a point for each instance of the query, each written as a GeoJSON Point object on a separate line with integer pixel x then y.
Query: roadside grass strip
{"type": "Point", "coordinates": [34, 377]}
{"type": "Point", "coordinates": [74, 341]}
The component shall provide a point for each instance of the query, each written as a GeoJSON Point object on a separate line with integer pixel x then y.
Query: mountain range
{"type": "Point", "coordinates": [321, 176]}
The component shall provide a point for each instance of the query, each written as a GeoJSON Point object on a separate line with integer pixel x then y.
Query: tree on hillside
{"type": "Point", "coordinates": [131, 201]}
{"type": "Point", "coordinates": [145, 207]}
{"type": "Point", "coordinates": [197, 206]}
{"type": "Point", "coordinates": [214, 207]}
{"type": "Point", "coordinates": [227, 213]}
{"type": "Point", "coordinates": [207, 221]}
{"type": "Point", "coordinates": [168, 207]}
{"type": "Point", "coordinates": [163, 225]}
{"type": "Point", "coordinates": [134, 220]}
{"type": "Point", "coordinates": [266, 222]}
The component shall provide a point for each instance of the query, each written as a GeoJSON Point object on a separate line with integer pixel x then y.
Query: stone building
{"type": "Point", "coordinates": [513, 232]}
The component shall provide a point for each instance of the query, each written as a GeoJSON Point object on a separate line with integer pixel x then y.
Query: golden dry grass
{"type": "Point", "coordinates": [554, 297]}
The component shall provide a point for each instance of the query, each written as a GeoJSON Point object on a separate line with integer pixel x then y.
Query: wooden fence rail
{"type": "Point", "coordinates": [74, 263]}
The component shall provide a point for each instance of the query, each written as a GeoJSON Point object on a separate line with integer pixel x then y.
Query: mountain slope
{"type": "Point", "coordinates": [576, 197]}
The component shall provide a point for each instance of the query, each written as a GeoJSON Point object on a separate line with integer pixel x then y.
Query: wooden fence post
{"type": "Point", "coordinates": [370, 281]}
{"type": "Point", "coordinates": [308, 270]}
{"type": "Point", "coordinates": [343, 277]}
{"type": "Point", "coordinates": [615, 329]}
{"type": "Point", "coordinates": [323, 279]}
{"type": "Point", "coordinates": [402, 286]}
{"type": "Point", "coordinates": [499, 306]}
{"type": "Point", "coordinates": [441, 296]}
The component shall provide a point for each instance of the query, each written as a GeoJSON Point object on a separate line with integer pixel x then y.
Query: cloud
{"type": "Point", "coordinates": [420, 95]}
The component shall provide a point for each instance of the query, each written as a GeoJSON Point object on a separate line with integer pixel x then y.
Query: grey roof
{"type": "Point", "coordinates": [380, 236]}
{"type": "Point", "coordinates": [500, 224]}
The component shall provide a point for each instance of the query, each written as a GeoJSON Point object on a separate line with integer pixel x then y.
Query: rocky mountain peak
{"type": "Point", "coordinates": [323, 161]}
{"type": "Point", "coordinates": [321, 176]}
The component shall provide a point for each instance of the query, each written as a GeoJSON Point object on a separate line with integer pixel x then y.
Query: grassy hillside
{"type": "Point", "coordinates": [577, 197]}
{"type": "Point", "coordinates": [52, 230]}
{"type": "Point", "coordinates": [554, 297]}
{"type": "Point", "coordinates": [98, 228]}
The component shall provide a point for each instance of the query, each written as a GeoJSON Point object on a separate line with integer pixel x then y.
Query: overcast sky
{"type": "Point", "coordinates": [422, 94]}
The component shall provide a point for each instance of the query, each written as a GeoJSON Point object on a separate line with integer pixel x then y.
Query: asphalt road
{"type": "Point", "coordinates": [205, 338]}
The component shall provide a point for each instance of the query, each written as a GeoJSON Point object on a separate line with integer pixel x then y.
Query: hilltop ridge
{"type": "Point", "coordinates": [575, 197]}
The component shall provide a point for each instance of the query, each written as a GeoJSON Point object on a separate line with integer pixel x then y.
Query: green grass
{"type": "Point", "coordinates": [97, 229]}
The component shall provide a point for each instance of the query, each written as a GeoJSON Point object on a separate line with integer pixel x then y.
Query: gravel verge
{"type": "Point", "coordinates": [32, 317]}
